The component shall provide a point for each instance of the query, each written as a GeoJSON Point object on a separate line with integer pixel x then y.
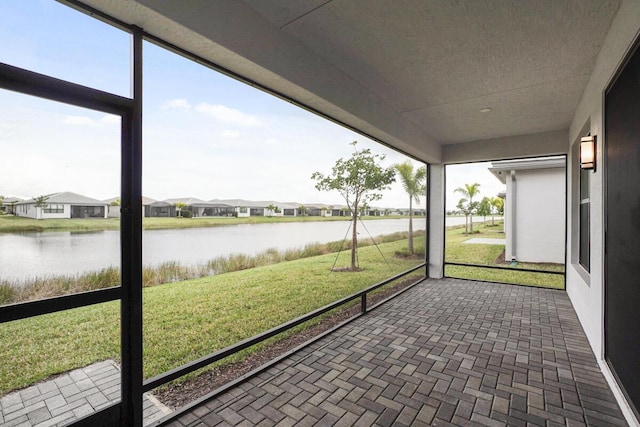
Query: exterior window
{"type": "Point", "coordinates": [585, 221]}
{"type": "Point", "coordinates": [53, 209]}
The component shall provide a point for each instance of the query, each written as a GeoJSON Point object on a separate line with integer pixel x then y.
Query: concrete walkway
{"type": "Point", "coordinates": [70, 396]}
{"type": "Point", "coordinates": [447, 352]}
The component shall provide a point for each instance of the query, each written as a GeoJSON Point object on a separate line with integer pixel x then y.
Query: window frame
{"type": "Point", "coordinates": [49, 208]}
{"type": "Point", "coordinates": [584, 219]}
{"type": "Point", "coordinates": [129, 408]}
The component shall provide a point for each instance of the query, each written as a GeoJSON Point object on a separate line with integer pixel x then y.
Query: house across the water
{"type": "Point", "coordinates": [62, 205]}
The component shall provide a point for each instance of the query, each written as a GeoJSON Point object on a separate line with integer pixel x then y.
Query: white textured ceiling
{"type": "Point", "coordinates": [413, 73]}
{"type": "Point", "coordinates": [439, 62]}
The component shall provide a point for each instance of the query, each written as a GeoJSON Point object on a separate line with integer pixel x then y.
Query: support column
{"type": "Point", "coordinates": [510, 218]}
{"type": "Point", "coordinates": [436, 220]}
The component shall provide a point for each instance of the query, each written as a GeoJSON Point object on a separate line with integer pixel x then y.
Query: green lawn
{"type": "Point", "coordinates": [458, 251]}
{"type": "Point", "coordinates": [9, 223]}
{"type": "Point", "coordinates": [187, 320]}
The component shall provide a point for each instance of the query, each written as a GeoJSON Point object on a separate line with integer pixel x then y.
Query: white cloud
{"type": "Point", "coordinates": [106, 120]}
{"type": "Point", "coordinates": [110, 120]}
{"type": "Point", "coordinates": [175, 104]}
{"type": "Point", "coordinates": [230, 134]}
{"type": "Point", "coordinates": [228, 115]}
{"type": "Point", "coordinates": [459, 175]}
{"type": "Point", "coordinates": [79, 120]}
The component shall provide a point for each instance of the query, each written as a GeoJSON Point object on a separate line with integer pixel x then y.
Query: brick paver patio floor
{"type": "Point", "coordinates": [70, 396]}
{"type": "Point", "coordinates": [447, 352]}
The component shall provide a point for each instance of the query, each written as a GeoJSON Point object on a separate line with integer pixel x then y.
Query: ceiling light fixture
{"type": "Point", "coordinates": [485, 110]}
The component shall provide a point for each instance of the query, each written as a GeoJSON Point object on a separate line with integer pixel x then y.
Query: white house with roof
{"type": "Point", "coordinates": [245, 208]}
{"type": "Point", "coordinates": [534, 208]}
{"type": "Point", "coordinates": [289, 208]}
{"type": "Point", "coordinates": [150, 207]}
{"type": "Point", "coordinates": [63, 205]}
{"type": "Point", "coordinates": [8, 205]}
{"type": "Point", "coordinates": [197, 207]}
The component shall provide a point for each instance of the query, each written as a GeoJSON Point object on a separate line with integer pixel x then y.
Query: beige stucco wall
{"type": "Point", "coordinates": [540, 218]}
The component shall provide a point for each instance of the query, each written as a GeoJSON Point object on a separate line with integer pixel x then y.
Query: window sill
{"type": "Point", "coordinates": [583, 273]}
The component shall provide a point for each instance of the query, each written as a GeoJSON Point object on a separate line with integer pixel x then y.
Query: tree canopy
{"type": "Point", "coordinates": [497, 205]}
{"type": "Point", "coordinates": [484, 207]}
{"type": "Point", "coordinates": [40, 201]}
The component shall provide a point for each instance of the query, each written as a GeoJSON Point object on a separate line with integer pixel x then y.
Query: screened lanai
{"type": "Point", "coordinates": [443, 83]}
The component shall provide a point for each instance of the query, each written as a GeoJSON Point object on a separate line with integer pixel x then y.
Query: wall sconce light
{"type": "Point", "coordinates": [588, 152]}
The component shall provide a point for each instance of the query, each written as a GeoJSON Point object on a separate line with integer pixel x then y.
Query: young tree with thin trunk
{"type": "Point", "coordinates": [463, 208]}
{"type": "Point", "coordinates": [40, 202]}
{"type": "Point", "coordinates": [359, 180]}
{"type": "Point", "coordinates": [484, 209]}
{"type": "Point", "coordinates": [414, 183]}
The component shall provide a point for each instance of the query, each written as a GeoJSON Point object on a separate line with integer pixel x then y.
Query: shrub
{"type": "Point", "coordinates": [7, 293]}
{"type": "Point", "coordinates": [404, 252]}
{"type": "Point", "coordinates": [186, 214]}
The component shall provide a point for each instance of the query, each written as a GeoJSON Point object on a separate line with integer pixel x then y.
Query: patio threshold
{"type": "Point", "coordinates": [446, 352]}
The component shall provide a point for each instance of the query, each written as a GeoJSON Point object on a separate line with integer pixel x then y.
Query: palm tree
{"type": "Point", "coordinates": [415, 185]}
{"type": "Point", "coordinates": [497, 203]}
{"type": "Point", "coordinates": [469, 191]}
{"type": "Point", "coordinates": [179, 206]}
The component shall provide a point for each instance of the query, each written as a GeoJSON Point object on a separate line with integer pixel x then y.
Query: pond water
{"type": "Point", "coordinates": [28, 255]}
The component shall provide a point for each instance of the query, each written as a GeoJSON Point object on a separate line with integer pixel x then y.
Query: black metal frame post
{"type": "Point", "coordinates": [131, 242]}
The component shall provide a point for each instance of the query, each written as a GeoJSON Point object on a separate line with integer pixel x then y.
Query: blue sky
{"type": "Point", "coordinates": [205, 135]}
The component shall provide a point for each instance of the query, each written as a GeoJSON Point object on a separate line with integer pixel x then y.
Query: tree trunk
{"type": "Point", "coordinates": [354, 241]}
{"type": "Point", "coordinates": [411, 251]}
{"type": "Point", "coordinates": [466, 224]}
{"type": "Point", "coordinates": [470, 223]}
